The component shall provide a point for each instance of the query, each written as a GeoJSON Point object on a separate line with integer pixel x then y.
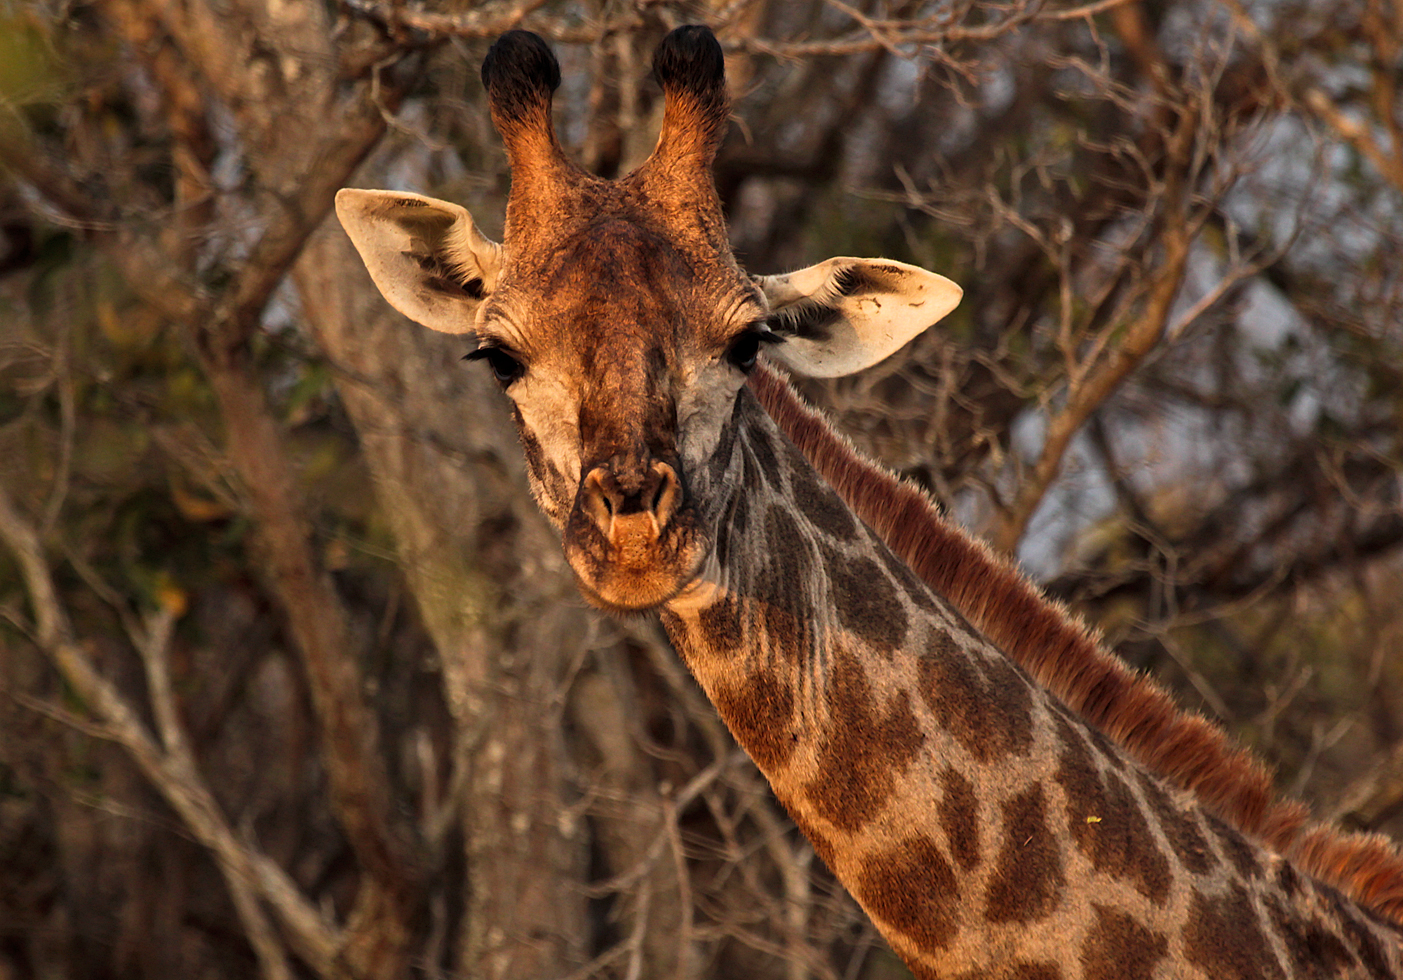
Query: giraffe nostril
{"type": "Point", "coordinates": [667, 499]}
{"type": "Point", "coordinates": [596, 497]}
{"type": "Point", "coordinates": [655, 492]}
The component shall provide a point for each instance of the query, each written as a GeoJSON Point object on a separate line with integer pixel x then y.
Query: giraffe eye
{"type": "Point", "coordinates": [746, 347]}
{"type": "Point", "coordinates": [505, 367]}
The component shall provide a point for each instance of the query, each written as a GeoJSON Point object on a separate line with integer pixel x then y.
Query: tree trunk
{"type": "Point", "coordinates": [433, 436]}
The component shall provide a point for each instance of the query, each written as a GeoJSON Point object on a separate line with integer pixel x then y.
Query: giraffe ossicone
{"type": "Point", "coordinates": [921, 737]}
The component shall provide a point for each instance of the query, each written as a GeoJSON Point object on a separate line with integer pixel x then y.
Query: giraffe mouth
{"type": "Point", "coordinates": [637, 568]}
{"type": "Point", "coordinates": [627, 556]}
{"type": "Point", "coordinates": [622, 588]}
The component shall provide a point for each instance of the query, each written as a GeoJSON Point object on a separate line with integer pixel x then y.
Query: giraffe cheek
{"type": "Point", "coordinates": [553, 492]}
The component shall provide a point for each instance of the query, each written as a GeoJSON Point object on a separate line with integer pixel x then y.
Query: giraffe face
{"type": "Point", "coordinates": [617, 320]}
{"type": "Point", "coordinates": [623, 355]}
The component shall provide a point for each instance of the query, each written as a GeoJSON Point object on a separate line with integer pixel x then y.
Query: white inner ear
{"type": "Point", "coordinates": [425, 255]}
{"type": "Point", "coordinates": [846, 314]}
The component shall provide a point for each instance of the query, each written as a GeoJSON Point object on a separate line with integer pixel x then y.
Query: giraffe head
{"type": "Point", "coordinates": [617, 320]}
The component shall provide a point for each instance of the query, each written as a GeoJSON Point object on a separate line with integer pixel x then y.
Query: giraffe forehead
{"type": "Point", "coordinates": [619, 287]}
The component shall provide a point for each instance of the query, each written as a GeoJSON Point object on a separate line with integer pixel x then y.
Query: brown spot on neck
{"type": "Point", "coordinates": [1313, 947]}
{"type": "Point", "coordinates": [864, 600]}
{"type": "Point", "coordinates": [911, 888]}
{"type": "Point", "coordinates": [759, 711]}
{"type": "Point", "coordinates": [1028, 878]}
{"type": "Point", "coordinates": [1118, 947]}
{"type": "Point", "coordinates": [868, 743]}
{"type": "Point", "coordinates": [959, 817]}
{"type": "Point", "coordinates": [986, 705]}
{"type": "Point", "coordinates": [1106, 821]}
{"type": "Point", "coordinates": [1224, 938]}
{"type": "Point", "coordinates": [1180, 828]}
{"type": "Point", "coordinates": [1019, 970]}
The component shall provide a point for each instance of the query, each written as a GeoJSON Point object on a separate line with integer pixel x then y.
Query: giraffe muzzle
{"type": "Point", "coordinates": [627, 540]}
{"type": "Point", "coordinates": [631, 510]}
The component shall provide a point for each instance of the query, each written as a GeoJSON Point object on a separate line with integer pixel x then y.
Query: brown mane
{"type": "Point", "coordinates": [1064, 655]}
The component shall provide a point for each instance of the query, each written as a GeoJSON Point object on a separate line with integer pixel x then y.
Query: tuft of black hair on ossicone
{"type": "Point", "coordinates": [520, 71]}
{"type": "Point", "coordinates": [690, 58]}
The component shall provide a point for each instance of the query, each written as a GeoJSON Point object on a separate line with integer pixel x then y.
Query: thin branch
{"type": "Point", "coordinates": [347, 726]}
{"type": "Point", "coordinates": [63, 466]}
{"type": "Point", "coordinates": [1085, 12]}
{"type": "Point", "coordinates": [1356, 134]}
{"type": "Point", "coordinates": [1101, 378]}
{"type": "Point", "coordinates": [153, 643]}
{"type": "Point", "coordinates": [1387, 160]}
{"type": "Point", "coordinates": [397, 20]}
{"type": "Point", "coordinates": [904, 37]}
{"type": "Point", "coordinates": [248, 874]}
{"type": "Point", "coordinates": [1370, 798]}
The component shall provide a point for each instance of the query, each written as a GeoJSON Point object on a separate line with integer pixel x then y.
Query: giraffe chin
{"type": "Point", "coordinates": [630, 577]}
{"type": "Point", "coordinates": [630, 600]}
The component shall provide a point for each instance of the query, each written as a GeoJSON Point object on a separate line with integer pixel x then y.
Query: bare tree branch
{"type": "Point", "coordinates": [172, 771]}
{"type": "Point", "coordinates": [1093, 380]}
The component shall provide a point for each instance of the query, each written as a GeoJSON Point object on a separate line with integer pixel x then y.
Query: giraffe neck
{"type": "Point", "coordinates": [1061, 653]}
{"type": "Point", "coordinates": [983, 825]}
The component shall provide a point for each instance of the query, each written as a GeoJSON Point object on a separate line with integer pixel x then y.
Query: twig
{"type": "Point", "coordinates": [475, 24]}
{"type": "Point", "coordinates": [63, 385]}
{"type": "Point", "coordinates": [1084, 12]}
{"type": "Point", "coordinates": [1374, 794]}
{"type": "Point", "coordinates": [1100, 377]}
{"type": "Point", "coordinates": [248, 874]}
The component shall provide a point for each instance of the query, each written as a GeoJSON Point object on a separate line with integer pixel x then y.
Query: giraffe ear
{"type": "Point", "coordinates": [847, 314]}
{"type": "Point", "coordinates": [426, 256]}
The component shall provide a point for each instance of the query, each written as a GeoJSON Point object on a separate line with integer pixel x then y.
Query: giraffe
{"type": "Point", "coordinates": [1001, 795]}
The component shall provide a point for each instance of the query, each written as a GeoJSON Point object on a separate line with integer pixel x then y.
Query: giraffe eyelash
{"type": "Point", "coordinates": [506, 365]}
{"type": "Point", "coordinates": [745, 347]}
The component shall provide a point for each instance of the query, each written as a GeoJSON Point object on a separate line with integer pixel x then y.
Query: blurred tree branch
{"type": "Point", "coordinates": [269, 65]}
{"type": "Point", "coordinates": [251, 877]}
{"type": "Point", "coordinates": [1377, 131]}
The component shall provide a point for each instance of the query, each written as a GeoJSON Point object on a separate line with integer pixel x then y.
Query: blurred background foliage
{"type": "Point", "coordinates": [293, 681]}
